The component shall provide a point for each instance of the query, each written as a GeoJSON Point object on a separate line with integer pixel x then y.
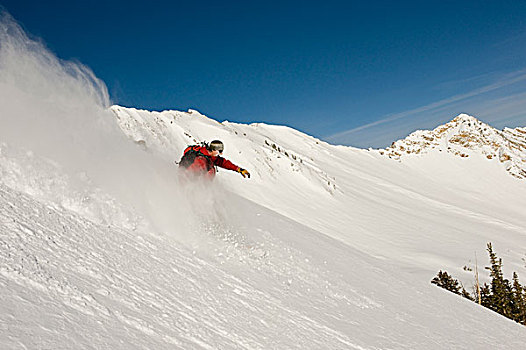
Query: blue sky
{"type": "Point", "coordinates": [354, 73]}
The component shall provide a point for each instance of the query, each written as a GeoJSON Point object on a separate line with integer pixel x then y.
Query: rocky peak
{"type": "Point", "coordinates": [464, 136]}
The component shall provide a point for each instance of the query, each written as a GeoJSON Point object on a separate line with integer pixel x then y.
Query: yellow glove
{"type": "Point", "coordinates": [243, 172]}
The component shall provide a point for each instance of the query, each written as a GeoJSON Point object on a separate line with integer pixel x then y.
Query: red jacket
{"type": "Point", "coordinates": [206, 164]}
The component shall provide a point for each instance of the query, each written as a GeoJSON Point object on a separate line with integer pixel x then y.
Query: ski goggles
{"type": "Point", "coordinates": [217, 147]}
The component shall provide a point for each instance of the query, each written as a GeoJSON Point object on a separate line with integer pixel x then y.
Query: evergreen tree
{"type": "Point", "coordinates": [519, 300]}
{"type": "Point", "coordinates": [444, 280]}
{"type": "Point", "coordinates": [501, 297]}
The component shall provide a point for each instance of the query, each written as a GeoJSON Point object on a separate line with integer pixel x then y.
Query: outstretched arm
{"type": "Point", "coordinates": [226, 164]}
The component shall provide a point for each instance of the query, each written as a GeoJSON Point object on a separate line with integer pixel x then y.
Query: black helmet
{"type": "Point", "coordinates": [216, 145]}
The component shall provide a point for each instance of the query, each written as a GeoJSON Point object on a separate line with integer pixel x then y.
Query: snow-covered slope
{"type": "Point", "coordinates": [70, 283]}
{"type": "Point", "coordinates": [411, 212]}
{"type": "Point", "coordinates": [340, 258]}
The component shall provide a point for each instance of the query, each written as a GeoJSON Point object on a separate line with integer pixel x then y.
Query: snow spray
{"type": "Point", "coordinates": [58, 110]}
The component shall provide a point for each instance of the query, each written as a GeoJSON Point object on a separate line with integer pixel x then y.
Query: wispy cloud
{"type": "Point", "coordinates": [504, 111]}
{"type": "Point", "coordinates": [466, 102]}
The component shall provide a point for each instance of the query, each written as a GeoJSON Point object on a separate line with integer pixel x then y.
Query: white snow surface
{"type": "Point", "coordinates": [396, 211]}
{"type": "Point", "coordinates": [324, 247]}
{"type": "Point", "coordinates": [105, 245]}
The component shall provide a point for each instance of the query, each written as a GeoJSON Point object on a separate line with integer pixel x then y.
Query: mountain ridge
{"type": "Point", "coordinates": [465, 136]}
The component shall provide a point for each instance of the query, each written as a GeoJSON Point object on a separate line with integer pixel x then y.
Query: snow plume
{"type": "Point", "coordinates": [56, 111]}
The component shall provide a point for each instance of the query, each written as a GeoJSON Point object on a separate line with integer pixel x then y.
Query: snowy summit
{"type": "Point", "coordinates": [464, 136]}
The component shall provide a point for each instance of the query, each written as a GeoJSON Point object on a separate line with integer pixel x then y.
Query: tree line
{"type": "Point", "coordinates": [501, 295]}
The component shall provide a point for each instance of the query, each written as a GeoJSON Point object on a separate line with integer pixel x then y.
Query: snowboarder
{"type": "Point", "coordinates": [203, 160]}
